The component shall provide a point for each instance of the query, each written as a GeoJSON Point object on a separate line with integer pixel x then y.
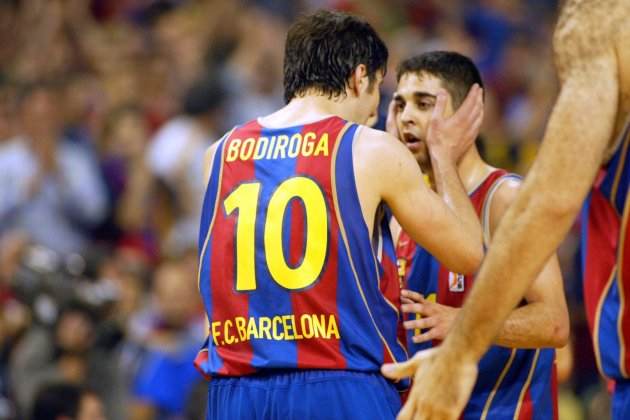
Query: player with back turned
{"type": "Point", "coordinates": [297, 269]}
{"type": "Point", "coordinates": [586, 147]}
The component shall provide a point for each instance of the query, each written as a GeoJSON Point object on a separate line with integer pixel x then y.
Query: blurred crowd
{"type": "Point", "coordinates": [106, 109]}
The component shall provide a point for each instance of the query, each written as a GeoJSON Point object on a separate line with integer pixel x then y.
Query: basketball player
{"type": "Point", "coordinates": [517, 375]}
{"type": "Point", "coordinates": [587, 133]}
{"type": "Point", "coordinates": [297, 265]}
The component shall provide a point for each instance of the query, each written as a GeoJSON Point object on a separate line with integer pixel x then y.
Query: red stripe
{"type": "Point", "coordinates": [321, 298]}
{"type": "Point", "coordinates": [527, 412]}
{"type": "Point", "coordinates": [227, 303]}
{"type": "Point", "coordinates": [602, 229]}
{"type": "Point", "coordinates": [624, 276]}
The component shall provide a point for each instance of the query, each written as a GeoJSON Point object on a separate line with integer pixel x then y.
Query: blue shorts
{"type": "Point", "coordinates": [621, 401]}
{"type": "Point", "coordinates": [303, 395]}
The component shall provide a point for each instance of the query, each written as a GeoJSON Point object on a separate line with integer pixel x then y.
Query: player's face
{"type": "Point", "coordinates": [414, 101]}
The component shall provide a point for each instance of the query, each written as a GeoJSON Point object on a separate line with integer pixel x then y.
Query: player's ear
{"type": "Point", "coordinates": [359, 81]}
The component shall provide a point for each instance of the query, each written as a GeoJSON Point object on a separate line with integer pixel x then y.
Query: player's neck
{"type": "Point", "coordinates": [472, 169]}
{"type": "Point", "coordinates": [308, 109]}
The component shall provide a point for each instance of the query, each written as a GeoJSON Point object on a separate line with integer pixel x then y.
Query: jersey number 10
{"type": "Point", "coordinates": [245, 199]}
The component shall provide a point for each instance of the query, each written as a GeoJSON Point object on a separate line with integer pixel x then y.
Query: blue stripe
{"type": "Point", "coordinates": [423, 278]}
{"type": "Point", "coordinates": [362, 255]}
{"type": "Point", "coordinates": [270, 298]}
{"type": "Point", "coordinates": [609, 343]}
{"type": "Point", "coordinates": [613, 166]}
{"type": "Point", "coordinates": [507, 396]}
{"type": "Point", "coordinates": [541, 391]}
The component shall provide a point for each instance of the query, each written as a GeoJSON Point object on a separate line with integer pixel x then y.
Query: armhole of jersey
{"type": "Point", "coordinates": [219, 150]}
{"type": "Point", "coordinates": [487, 205]}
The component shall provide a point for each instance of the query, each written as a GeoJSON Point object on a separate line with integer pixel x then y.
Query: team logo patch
{"type": "Point", "coordinates": [455, 282]}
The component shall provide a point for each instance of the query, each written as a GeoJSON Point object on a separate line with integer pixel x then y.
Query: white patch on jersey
{"type": "Point", "coordinates": [456, 282]}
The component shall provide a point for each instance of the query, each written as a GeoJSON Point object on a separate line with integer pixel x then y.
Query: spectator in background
{"type": "Point", "coordinates": [166, 379]}
{"type": "Point", "coordinates": [64, 401]}
{"type": "Point", "coordinates": [175, 156]}
{"type": "Point", "coordinates": [52, 189]}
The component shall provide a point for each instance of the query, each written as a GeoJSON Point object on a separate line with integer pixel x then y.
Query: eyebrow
{"type": "Point", "coordinates": [416, 95]}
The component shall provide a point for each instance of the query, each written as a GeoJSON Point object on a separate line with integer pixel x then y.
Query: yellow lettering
{"type": "Point", "coordinates": [319, 323]}
{"type": "Point", "coordinates": [215, 332]}
{"type": "Point", "coordinates": [229, 338]}
{"type": "Point", "coordinates": [305, 320]}
{"type": "Point", "coordinates": [298, 335]}
{"type": "Point", "coordinates": [233, 147]}
{"type": "Point", "coordinates": [276, 322]}
{"type": "Point", "coordinates": [264, 328]}
{"type": "Point", "coordinates": [281, 145]}
{"type": "Point", "coordinates": [272, 145]}
{"type": "Point", "coordinates": [294, 145]}
{"type": "Point", "coordinates": [247, 148]}
{"type": "Point", "coordinates": [261, 148]}
{"type": "Point", "coordinates": [252, 332]}
{"type": "Point", "coordinates": [288, 333]}
{"type": "Point", "coordinates": [308, 144]}
{"type": "Point", "coordinates": [332, 330]}
{"type": "Point", "coordinates": [322, 146]}
{"type": "Point", "coordinates": [240, 327]}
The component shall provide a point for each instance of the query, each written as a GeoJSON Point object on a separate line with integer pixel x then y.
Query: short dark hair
{"type": "Point", "coordinates": [57, 399]}
{"type": "Point", "coordinates": [323, 49]}
{"type": "Point", "coordinates": [456, 71]}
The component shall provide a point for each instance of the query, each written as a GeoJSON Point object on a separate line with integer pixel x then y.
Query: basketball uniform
{"type": "Point", "coordinates": [512, 383]}
{"type": "Point", "coordinates": [303, 305]}
{"type": "Point", "coordinates": [605, 261]}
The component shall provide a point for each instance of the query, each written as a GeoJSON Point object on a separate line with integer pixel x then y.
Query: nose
{"type": "Point", "coordinates": [405, 115]}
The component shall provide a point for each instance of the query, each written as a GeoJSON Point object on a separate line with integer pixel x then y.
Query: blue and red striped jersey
{"type": "Point", "coordinates": [289, 274]}
{"type": "Point", "coordinates": [512, 383]}
{"type": "Point", "coordinates": [605, 258]}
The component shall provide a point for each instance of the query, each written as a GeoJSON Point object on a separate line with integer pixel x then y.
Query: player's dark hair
{"type": "Point", "coordinates": [55, 400]}
{"type": "Point", "coordinates": [456, 71]}
{"type": "Point", "coordinates": [324, 48]}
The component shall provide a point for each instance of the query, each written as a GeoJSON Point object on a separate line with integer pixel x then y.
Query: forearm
{"type": "Point", "coordinates": [531, 326]}
{"type": "Point", "coordinates": [535, 224]}
{"type": "Point", "coordinates": [451, 189]}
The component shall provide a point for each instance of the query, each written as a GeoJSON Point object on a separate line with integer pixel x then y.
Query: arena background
{"type": "Point", "coordinates": [106, 107]}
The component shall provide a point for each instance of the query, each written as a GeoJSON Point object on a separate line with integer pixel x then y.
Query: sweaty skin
{"type": "Point", "coordinates": [593, 63]}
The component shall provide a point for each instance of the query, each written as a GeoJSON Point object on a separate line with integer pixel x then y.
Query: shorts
{"type": "Point", "coordinates": [303, 395]}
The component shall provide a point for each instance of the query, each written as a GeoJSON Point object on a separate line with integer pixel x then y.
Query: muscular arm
{"type": "Point", "coordinates": [576, 137]}
{"type": "Point", "coordinates": [542, 322]}
{"type": "Point", "coordinates": [419, 210]}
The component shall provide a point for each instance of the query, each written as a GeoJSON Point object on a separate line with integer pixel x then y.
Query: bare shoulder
{"type": "Point", "coordinates": [503, 197]}
{"type": "Point", "coordinates": [586, 29]}
{"type": "Point", "coordinates": [378, 146]}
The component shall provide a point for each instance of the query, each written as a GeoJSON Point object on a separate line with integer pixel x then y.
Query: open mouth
{"type": "Point", "coordinates": [411, 141]}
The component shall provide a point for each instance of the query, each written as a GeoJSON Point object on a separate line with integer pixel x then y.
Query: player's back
{"type": "Point", "coordinates": [289, 274]}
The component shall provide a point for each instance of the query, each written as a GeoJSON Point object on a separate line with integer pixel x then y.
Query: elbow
{"type": "Point", "coordinates": [560, 333]}
{"type": "Point", "coordinates": [468, 263]}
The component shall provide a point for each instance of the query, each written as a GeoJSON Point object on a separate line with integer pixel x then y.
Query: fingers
{"type": "Point", "coordinates": [470, 109]}
{"type": "Point", "coordinates": [400, 370]}
{"type": "Point", "coordinates": [440, 105]}
{"type": "Point", "coordinates": [427, 336]}
{"type": "Point", "coordinates": [414, 296]}
{"type": "Point", "coordinates": [408, 410]}
{"type": "Point", "coordinates": [420, 324]}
